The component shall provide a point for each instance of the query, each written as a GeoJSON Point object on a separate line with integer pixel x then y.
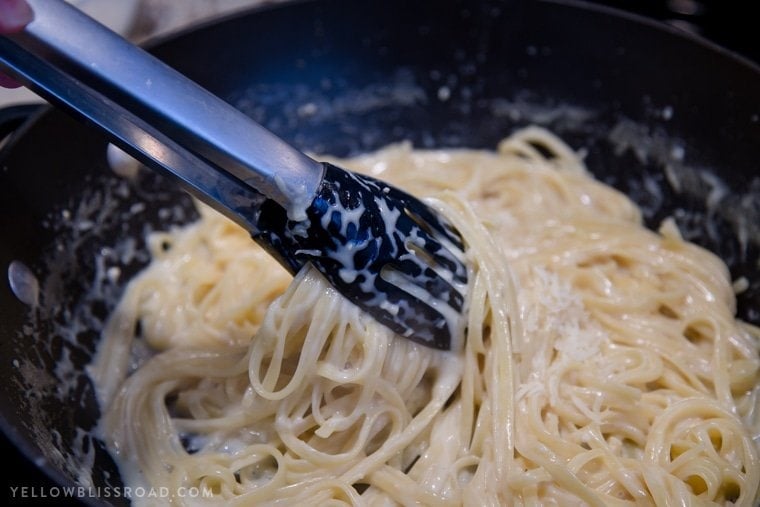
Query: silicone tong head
{"type": "Point", "coordinates": [388, 252]}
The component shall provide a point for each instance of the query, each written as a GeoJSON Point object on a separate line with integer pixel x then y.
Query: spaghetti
{"type": "Point", "coordinates": [603, 364]}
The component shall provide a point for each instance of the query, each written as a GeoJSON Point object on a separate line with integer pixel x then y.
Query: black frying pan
{"type": "Point", "coordinates": [342, 77]}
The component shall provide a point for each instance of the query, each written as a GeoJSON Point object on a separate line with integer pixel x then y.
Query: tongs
{"type": "Point", "coordinates": [386, 251]}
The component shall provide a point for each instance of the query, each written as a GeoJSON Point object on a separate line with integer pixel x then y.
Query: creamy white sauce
{"type": "Point", "coordinates": [23, 283]}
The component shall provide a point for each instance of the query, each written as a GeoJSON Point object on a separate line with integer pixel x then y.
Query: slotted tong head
{"type": "Point", "coordinates": [386, 251]}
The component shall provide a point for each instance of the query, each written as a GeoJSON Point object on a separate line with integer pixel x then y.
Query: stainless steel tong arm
{"type": "Point", "coordinates": [77, 51]}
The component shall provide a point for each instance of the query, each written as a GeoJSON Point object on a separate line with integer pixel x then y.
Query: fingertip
{"type": "Point", "coordinates": [8, 82]}
{"type": "Point", "coordinates": [14, 15]}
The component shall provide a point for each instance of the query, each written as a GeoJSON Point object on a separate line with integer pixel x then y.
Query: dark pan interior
{"type": "Point", "coordinates": [673, 122]}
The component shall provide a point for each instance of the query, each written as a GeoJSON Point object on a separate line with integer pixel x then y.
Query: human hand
{"type": "Point", "coordinates": [14, 16]}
